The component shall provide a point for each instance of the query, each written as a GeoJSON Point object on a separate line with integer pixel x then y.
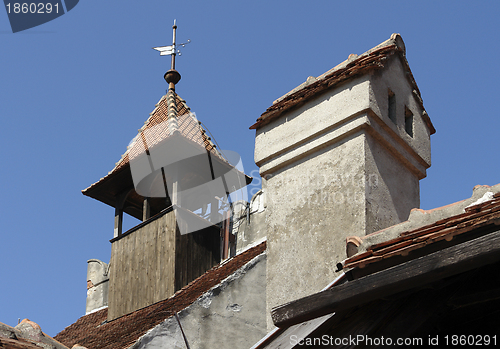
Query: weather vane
{"type": "Point", "coordinates": [171, 49]}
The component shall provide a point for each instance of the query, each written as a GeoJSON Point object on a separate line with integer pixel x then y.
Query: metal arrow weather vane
{"type": "Point", "coordinates": [171, 50]}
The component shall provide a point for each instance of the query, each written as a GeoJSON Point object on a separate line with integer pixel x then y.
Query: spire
{"type": "Point", "coordinates": [172, 77]}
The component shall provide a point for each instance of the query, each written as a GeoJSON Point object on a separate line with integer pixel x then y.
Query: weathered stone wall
{"type": "Point", "coordinates": [312, 207]}
{"type": "Point", "coordinates": [229, 316]}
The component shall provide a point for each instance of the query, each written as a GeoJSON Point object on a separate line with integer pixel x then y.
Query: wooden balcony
{"type": "Point", "coordinates": [153, 260]}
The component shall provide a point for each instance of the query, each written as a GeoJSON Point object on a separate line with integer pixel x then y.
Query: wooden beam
{"type": "Point", "coordinates": [146, 210]}
{"type": "Point", "coordinates": [225, 231]}
{"type": "Point", "coordinates": [118, 222]}
{"type": "Point", "coordinates": [119, 203]}
{"type": "Point", "coordinates": [424, 270]}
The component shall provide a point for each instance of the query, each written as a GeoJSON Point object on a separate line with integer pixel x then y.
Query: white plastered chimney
{"type": "Point", "coordinates": [343, 155]}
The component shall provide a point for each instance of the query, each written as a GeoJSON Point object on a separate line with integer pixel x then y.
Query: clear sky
{"type": "Point", "coordinates": [74, 91]}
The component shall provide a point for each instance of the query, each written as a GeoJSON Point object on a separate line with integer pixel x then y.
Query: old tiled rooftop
{"type": "Point", "coordinates": [354, 66]}
{"type": "Point", "coordinates": [155, 130]}
{"type": "Point", "coordinates": [481, 210]}
{"type": "Point", "coordinates": [94, 332]}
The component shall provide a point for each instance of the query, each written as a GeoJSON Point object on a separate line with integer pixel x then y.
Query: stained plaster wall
{"type": "Point", "coordinates": [416, 149]}
{"type": "Point", "coordinates": [337, 167]}
{"type": "Point", "coordinates": [392, 192]}
{"type": "Point", "coordinates": [312, 207]}
{"type": "Point", "coordinates": [304, 129]}
{"type": "Point", "coordinates": [229, 316]}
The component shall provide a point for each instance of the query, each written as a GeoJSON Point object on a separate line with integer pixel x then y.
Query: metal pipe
{"type": "Point", "coordinates": [174, 27]}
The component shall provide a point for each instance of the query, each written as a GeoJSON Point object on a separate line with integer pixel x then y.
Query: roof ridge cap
{"type": "Point", "coordinates": [298, 94]}
{"type": "Point", "coordinates": [394, 40]}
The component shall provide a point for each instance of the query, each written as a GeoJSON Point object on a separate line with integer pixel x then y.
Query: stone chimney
{"type": "Point", "coordinates": [340, 155]}
{"type": "Point", "coordinates": [97, 285]}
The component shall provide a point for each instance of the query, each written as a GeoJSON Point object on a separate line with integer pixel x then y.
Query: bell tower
{"type": "Point", "coordinates": [174, 180]}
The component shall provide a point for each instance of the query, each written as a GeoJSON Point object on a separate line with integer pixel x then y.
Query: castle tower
{"type": "Point", "coordinates": [340, 155]}
{"type": "Point", "coordinates": [176, 182]}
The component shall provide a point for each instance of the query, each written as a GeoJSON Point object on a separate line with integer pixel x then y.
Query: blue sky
{"type": "Point", "coordinates": [74, 91]}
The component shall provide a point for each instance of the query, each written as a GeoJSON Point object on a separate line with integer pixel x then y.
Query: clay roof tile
{"type": "Point", "coordinates": [354, 66]}
{"type": "Point", "coordinates": [475, 217]}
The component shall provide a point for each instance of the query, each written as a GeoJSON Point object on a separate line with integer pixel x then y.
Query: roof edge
{"type": "Point", "coordinates": [421, 220]}
{"type": "Point", "coordinates": [338, 74]}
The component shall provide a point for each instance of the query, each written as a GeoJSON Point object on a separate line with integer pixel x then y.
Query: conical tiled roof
{"type": "Point", "coordinates": [188, 133]}
{"type": "Point", "coordinates": [155, 130]}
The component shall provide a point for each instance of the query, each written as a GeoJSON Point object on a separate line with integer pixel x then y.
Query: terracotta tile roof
{"type": "Point", "coordinates": [355, 66]}
{"type": "Point", "coordinates": [155, 130]}
{"type": "Point", "coordinates": [93, 332]}
{"type": "Point", "coordinates": [151, 134]}
{"type": "Point", "coordinates": [473, 217]}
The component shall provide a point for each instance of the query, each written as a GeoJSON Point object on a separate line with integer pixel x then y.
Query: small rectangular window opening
{"type": "Point", "coordinates": [392, 106]}
{"type": "Point", "coordinates": [408, 121]}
